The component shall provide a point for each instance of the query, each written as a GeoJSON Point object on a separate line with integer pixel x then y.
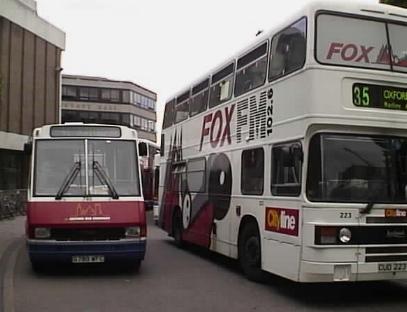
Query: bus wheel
{"type": "Point", "coordinates": [250, 253]}
{"type": "Point", "coordinates": [177, 229]}
{"type": "Point", "coordinates": [37, 266]}
{"type": "Point", "coordinates": [132, 266]}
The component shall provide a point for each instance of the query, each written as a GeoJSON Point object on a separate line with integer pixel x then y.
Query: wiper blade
{"type": "Point", "coordinates": [104, 178]}
{"type": "Point", "coordinates": [76, 168]}
{"type": "Point", "coordinates": [368, 208]}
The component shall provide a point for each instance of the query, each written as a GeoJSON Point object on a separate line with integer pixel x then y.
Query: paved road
{"type": "Point", "coordinates": [173, 279]}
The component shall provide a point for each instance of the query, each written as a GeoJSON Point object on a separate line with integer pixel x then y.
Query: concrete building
{"type": "Point", "coordinates": [30, 71]}
{"type": "Point", "coordinates": [100, 100]}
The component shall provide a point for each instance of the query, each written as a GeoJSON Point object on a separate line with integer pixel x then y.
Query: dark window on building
{"type": "Point", "coordinates": [251, 70]}
{"type": "Point", "coordinates": [93, 117]}
{"type": "Point", "coordinates": [69, 92]}
{"type": "Point", "coordinates": [115, 95]}
{"type": "Point", "coordinates": [169, 114]}
{"type": "Point", "coordinates": [88, 94]}
{"type": "Point", "coordinates": [221, 86]}
{"type": "Point", "coordinates": [196, 175]}
{"type": "Point", "coordinates": [12, 175]}
{"type": "Point", "coordinates": [252, 177]}
{"type": "Point", "coordinates": [110, 95]}
{"type": "Point", "coordinates": [69, 116]}
{"type": "Point", "coordinates": [110, 118]}
{"type": "Point", "coordinates": [286, 169]}
{"type": "Point", "coordinates": [126, 96]}
{"type": "Point", "coordinates": [105, 94]}
{"type": "Point", "coordinates": [288, 50]}
{"type": "Point", "coordinates": [126, 119]}
{"type": "Point", "coordinates": [137, 121]}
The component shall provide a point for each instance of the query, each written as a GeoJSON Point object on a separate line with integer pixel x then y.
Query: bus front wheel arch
{"type": "Point", "coordinates": [249, 250]}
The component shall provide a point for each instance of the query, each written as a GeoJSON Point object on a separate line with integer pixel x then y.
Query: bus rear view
{"type": "Point", "coordinates": [85, 203]}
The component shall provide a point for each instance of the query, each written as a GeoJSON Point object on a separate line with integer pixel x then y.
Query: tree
{"type": "Point", "coordinates": [399, 3]}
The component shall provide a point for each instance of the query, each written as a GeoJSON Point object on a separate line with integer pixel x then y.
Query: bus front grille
{"type": "Point", "coordinates": [383, 254]}
{"type": "Point", "coordinates": [88, 234]}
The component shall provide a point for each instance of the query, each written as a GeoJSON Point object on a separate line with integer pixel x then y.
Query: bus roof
{"type": "Point", "coordinates": [378, 10]}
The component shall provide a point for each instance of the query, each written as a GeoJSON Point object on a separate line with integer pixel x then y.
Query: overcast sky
{"type": "Point", "coordinates": [162, 45]}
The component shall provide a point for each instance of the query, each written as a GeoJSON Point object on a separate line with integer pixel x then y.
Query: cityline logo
{"type": "Point", "coordinates": [284, 221]}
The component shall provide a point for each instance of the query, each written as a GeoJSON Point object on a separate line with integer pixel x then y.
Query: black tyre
{"type": "Point", "coordinates": [37, 266]}
{"type": "Point", "coordinates": [131, 266]}
{"type": "Point", "coordinates": [177, 229]}
{"type": "Point", "coordinates": [250, 253]}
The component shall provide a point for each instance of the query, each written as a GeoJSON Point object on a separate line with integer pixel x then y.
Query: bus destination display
{"type": "Point", "coordinates": [378, 96]}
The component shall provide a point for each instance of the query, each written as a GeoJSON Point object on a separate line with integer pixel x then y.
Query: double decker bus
{"type": "Point", "coordinates": [85, 201]}
{"type": "Point", "coordinates": [291, 156]}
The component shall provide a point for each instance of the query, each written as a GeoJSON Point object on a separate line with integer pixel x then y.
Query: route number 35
{"type": "Point", "coordinates": [361, 96]}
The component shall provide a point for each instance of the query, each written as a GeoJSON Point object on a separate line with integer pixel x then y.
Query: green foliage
{"type": "Point", "coordinates": [399, 3]}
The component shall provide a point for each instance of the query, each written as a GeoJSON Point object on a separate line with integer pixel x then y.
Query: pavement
{"type": "Point", "coordinates": [11, 240]}
{"type": "Point", "coordinates": [10, 231]}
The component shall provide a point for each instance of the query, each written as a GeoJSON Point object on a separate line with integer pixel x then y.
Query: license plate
{"type": "Point", "coordinates": [88, 259]}
{"type": "Point", "coordinates": [392, 267]}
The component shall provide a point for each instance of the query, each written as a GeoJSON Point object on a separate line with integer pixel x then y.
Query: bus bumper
{"type": "Point", "coordinates": [347, 272]}
{"type": "Point", "coordinates": [57, 251]}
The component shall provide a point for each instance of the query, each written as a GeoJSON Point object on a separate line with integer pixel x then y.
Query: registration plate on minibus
{"type": "Point", "coordinates": [88, 259]}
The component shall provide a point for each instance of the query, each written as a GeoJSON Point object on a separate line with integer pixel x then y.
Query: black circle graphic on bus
{"type": "Point", "coordinates": [220, 184]}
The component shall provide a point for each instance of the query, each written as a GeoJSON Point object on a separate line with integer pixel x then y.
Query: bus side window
{"type": "Point", "coordinates": [196, 175]}
{"type": "Point", "coordinates": [288, 49]}
{"type": "Point", "coordinates": [252, 175]}
{"type": "Point", "coordinates": [286, 169]}
{"type": "Point", "coordinates": [222, 85]}
{"type": "Point", "coordinates": [182, 107]}
{"type": "Point", "coordinates": [199, 100]}
{"type": "Point", "coordinates": [251, 70]}
{"type": "Point", "coordinates": [169, 114]}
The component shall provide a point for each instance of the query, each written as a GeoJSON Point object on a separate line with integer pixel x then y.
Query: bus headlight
{"type": "Point", "coordinates": [345, 235]}
{"type": "Point", "coordinates": [42, 232]}
{"type": "Point", "coordinates": [133, 231]}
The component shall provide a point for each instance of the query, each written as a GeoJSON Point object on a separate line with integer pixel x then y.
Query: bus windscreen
{"type": "Point", "coordinates": [106, 168]}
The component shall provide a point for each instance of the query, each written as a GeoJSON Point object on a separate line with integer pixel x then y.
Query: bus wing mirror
{"type": "Point", "coordinates": [142, 149]}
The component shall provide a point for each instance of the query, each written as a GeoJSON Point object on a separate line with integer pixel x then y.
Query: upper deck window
{"type": "Point", "coordinates": [398, 41]}
{"type": "Point", "coordinates": [169, 114]}
{"type": "Point", "coordinates": [357, 42]}
{"type": "Point", "coordinates": [288, 50]}
{"type": "Point", "coordinates": [222, 86]}
{"type": "Point", "coordinates": [199, 100]}
{"type": "Point", "coordinates": [182, 107]}
{"type": "Point", "coordinates": [251, 70]}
